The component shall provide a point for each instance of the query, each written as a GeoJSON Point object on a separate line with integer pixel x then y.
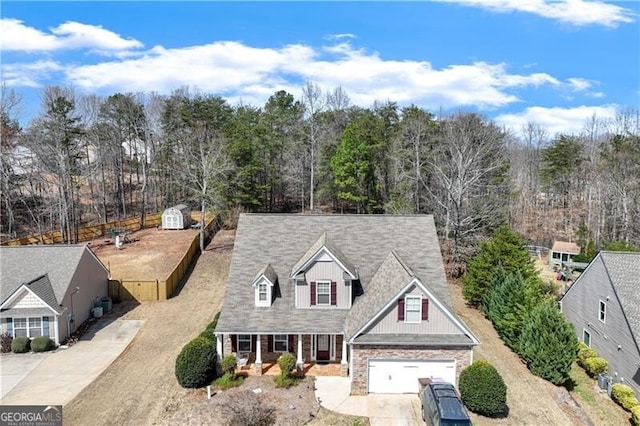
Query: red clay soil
{"type": "Point", "coordinates": [151, 253]}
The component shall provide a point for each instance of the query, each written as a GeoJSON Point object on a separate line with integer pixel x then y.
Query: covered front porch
{"type": "Point", "coordinates": [257, 354]}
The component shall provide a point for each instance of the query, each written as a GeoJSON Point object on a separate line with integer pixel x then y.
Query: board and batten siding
{"type": "Point", "coordinates": [324, 271]}
{"type": "Point", "coordinates": [581, 306]}
{"type": "Point", "coordinates": [438, 322]}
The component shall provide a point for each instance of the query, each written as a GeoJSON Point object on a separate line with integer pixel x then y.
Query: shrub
{"type": "Point", "coordinates": [286, 381]}
{"type": "Point", "coordinates": [286, 362]}
{"type": "Point", "coordinates": [208, 334]}
{"type": "Point", "coordinates": [42, 344]}
{"type": "Point", "coordinates": [482, 389]}
{"type": "Point", "coordinates": [548, 343]}
{"type": "Point", "coordinates": [595, 365]}
{"type": "Point", "coordinates": [214, 323]}
{"type": "Point", "coordinates": [20, 345]}
{"type": "Point", "coordinates": [624, 396]}
{"type": "Point", "coordinates": [635, 415]}
{"type": "Point", "coordinates": [250, 409]}
{"type": "Point", "coordinates": [585, 352]}
{"type": "Point", "coordinates": [229, 364]}
{"type": "Point", "coordinates": [5, 342]}
{"type": "Point", "coordinates": [228, 381]}
{"type": "Point", "coordinates": [196, 363]}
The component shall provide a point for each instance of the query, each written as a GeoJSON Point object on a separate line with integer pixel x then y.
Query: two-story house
{"type": "Point", "coordinates": [604, 307]}
{"type": "Point", "coordinates": [365, 291]}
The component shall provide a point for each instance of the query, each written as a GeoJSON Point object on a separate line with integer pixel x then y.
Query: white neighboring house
{"type": "Point", "coordinates": [49, 290]}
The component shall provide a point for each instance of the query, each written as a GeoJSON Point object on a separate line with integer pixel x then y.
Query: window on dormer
{"type": "Point", "coordinates": [262, 292]}
{"type": "Point", "coordinates": [323, 293]}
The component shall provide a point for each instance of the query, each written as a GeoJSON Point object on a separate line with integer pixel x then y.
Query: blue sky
{"type": "Point", "coordinates": [553, 63]}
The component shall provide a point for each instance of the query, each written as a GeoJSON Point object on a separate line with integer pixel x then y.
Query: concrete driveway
{"type": "Point", "coordinates": [381, 409]}
{"type": "Point", "coordinates": [56, 378]}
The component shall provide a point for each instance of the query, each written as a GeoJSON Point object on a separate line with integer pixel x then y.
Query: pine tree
{"type": "Point", "coordinates": [508, 304]}
{"type": "Point", "coordinates": [548, 343]}
{"type": "Point", "coordinates": [505, 250]}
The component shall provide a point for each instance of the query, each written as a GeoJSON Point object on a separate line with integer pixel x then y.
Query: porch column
{"type": "Point", "coordinates": [299, 360]}
{"type": "Point", "coordinates": [258, 356]}
{"type": "Point", "coordinates": [344, 366]}
{"type": "Point", "coordinates": [219, 346]}
{"type": "Point", "coordinates": [55, 330]}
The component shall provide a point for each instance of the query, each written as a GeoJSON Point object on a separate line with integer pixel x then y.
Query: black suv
{"type": "Point", "coordinates": [441, 405]}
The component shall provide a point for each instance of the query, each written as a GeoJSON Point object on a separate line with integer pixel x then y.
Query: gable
{"type": "Point", "coordinates": [25, 300]}
{"type": "Point", "coordinates": [21, 264]}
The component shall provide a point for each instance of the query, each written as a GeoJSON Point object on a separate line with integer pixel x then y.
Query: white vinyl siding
{"type": "Point", "coordinates": [323, 271]}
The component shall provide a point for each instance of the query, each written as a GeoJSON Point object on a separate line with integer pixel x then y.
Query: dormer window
{"type": "Point", "coordinates": [263, 286]}
{"type": "Point", "coordinates": [262, 292]}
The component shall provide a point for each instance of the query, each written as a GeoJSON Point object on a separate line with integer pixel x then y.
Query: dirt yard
{"type": "Point", "coordinates": [151, 253]}
{"type": "Point", "coordinates": [140, 386]}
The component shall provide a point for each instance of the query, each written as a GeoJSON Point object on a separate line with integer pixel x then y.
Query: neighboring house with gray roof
{"type": "Point", "coordinates": [49, 290]}
{"type": "Point", "coordinates": [367, 292]}
{"type": "Point", "coordinates": [604, 307]}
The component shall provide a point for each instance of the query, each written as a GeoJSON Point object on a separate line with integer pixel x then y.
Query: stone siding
{"type": "Point", "coordinates": [362, 354]}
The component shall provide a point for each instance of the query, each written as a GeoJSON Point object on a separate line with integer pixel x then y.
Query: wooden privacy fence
{"type": "Point", "coordinates": [156, 289]}
{"type": "Point", "coordinates": [89, 233]}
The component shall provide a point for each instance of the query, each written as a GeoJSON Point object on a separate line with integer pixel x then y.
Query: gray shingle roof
{"type": "Point", "coordinates": [624, 271]}
{"type": "Point", "coordinates": [268, 272]}
{"type": "Point", "coordinates": [23, 264]}
{"type": "Point", "coordinates": [391, 277]}
{"type": "Point", "coordinates": [321, 242]}
{"type": "Point", "coordinates": [280, 239]}
{"type": "Point", "coordinates": [415, 339]}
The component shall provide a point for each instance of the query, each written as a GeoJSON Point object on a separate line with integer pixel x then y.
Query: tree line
{"type": "Point", "coordinates": [90, 159]}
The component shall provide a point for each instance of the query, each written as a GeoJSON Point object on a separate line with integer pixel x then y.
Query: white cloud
{"type": "Point", "coordinates": [29, 74]}
{"type": "Point", "coordinates": [238, 71]}
{"type": "Point", "coordinates": [579, 84]}
{"type": "Point", "coordinates": [574, 12]}
{"type": "Point", "coordinates": [16, 36]}
{"type": "Point", "coordinates": [556, 119]}
{"type": "Point", "coordinates": [341, 36]}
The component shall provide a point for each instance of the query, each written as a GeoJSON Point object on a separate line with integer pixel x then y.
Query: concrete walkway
{"type": "Point", "coordinates": [61, 375]}
{"type": "Point", "coordinates": [381, 409]}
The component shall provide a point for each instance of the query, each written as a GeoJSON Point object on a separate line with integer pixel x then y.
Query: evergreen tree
{"type": "Point", "coordinates": [505, 250]}
{"type": "Point", "coordinates": [507, 305]}
{"type": "Point", "coordinates": [548, 343]}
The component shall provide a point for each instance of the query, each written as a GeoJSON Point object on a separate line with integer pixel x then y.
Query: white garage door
{"type": "Point", "coordinates": [401, 376]}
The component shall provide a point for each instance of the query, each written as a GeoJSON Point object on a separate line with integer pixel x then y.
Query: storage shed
{"type": "Point", "coordinates": [176, 217]}
{"type": "Point", "coordinates": [562, 252]}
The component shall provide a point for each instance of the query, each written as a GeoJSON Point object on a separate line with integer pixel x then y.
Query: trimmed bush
{"type": "Point", "coordinates": [20, 345]}
{"type": "Point", "coordinates": [228, 381]}
{"type": "Point", "coordinates": [482, 389]}
{"type": "Point", "coordinates": [5, 342]}
{"type": "Point", "coordinates": [208, 334]}
{"type": "Point", "coordinates": [214, 323]}
{"type": "Point", "coordinates": [585, 352]}
{"type": "Point", "coordinates": [196, 363]}
{"type": "Point", "coordinates": [595, 365]}
{"type": "Point", "coordinates": [635, 415]}
{"type": "Point", "coordinates": [286, 362]}
{"type": "Point", "coordinates": [229, 364]}
{"type": "Point", "coordinates": [624, 396]}
{"type": "Point", "coordinates": [42, 344]}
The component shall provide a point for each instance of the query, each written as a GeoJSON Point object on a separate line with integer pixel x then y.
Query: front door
{"type": "Point", "coordinates": [322, 347]}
